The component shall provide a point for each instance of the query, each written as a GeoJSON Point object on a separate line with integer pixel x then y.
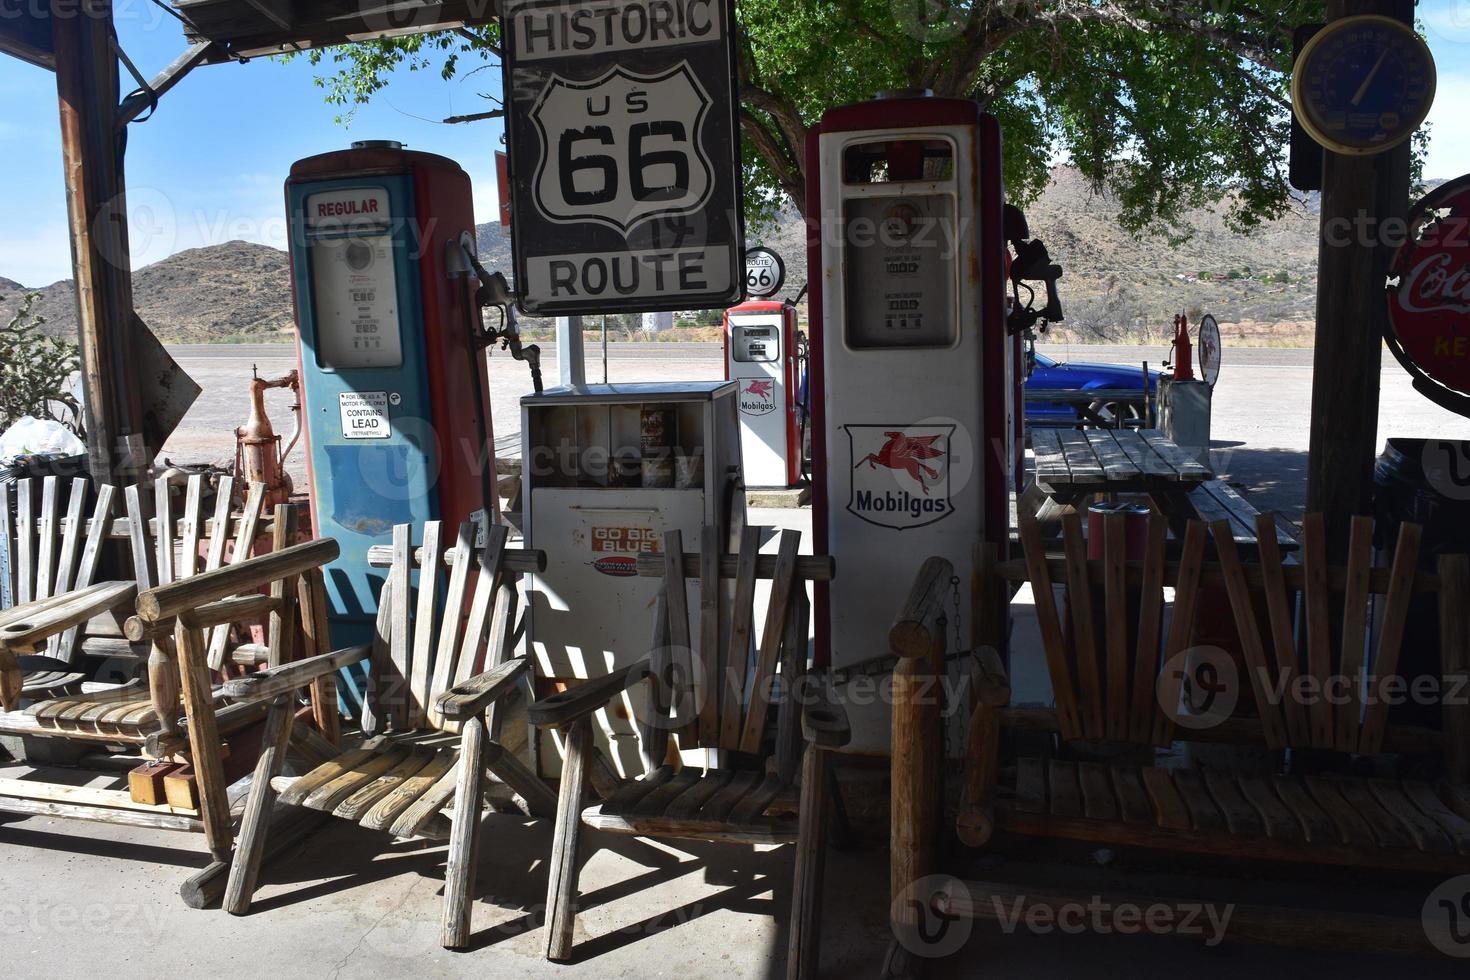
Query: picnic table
{"type": "Point", "coordinates": [1073, 465]}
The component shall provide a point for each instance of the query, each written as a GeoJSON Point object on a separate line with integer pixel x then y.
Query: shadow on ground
{"type": "Point", "coordinates": [1271, 479]}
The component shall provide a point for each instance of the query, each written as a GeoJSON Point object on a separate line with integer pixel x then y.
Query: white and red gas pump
{"type": "Point", "coordinates": [913, 401]}
{"type": "Point", "coordinates": [761, 355]}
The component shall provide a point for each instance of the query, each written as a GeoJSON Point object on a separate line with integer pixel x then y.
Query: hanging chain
{"type": "Point", "coordinates": [959, 633]}
{"type": "Point", "coordinates": [947, 719]}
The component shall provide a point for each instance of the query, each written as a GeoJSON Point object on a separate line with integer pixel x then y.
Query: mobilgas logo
{"type": "Point", "coordinates": [900, 474]}
{"type": "Point", "coordinates": [757, 396]}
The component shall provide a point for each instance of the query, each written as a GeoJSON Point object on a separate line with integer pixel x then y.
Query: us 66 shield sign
{"type": "Point", "coordinates": [624, 154]}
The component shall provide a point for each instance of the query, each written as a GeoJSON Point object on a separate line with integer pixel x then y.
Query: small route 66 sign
{"type": "Point", "coordinates": [765, 273]}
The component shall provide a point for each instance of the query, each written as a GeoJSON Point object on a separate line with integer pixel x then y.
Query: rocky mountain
{"type": "Point", "coordinates": [1116, 286]}
{"type": "Point", "coordinates": [237, 291]}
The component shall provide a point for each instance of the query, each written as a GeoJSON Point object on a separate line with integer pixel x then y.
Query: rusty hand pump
{"type": "Point", "coordinates": [258, 456]}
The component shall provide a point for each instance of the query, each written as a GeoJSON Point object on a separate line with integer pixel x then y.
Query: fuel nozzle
{"type": "Point", "coordinates": [1031, 263]}
{"type": "Point", "coordinates": [495, 291]}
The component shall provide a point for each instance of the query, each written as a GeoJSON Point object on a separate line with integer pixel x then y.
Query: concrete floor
{"type": "Point", "coordinates": [81, 900]}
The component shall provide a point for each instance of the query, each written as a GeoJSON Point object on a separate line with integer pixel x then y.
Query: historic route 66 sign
{"type": "Point", "coordinates": [624, 155]}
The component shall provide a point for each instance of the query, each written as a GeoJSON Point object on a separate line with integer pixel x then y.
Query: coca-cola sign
{"type": "Point", "coordinates": [1429, 295]}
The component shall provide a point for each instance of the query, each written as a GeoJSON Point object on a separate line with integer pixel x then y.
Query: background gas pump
{"type": "Point", "coordinates": [912, 395]}
{"type": "Point", "coordinates": [761, 357]}
{"type": "Point", "coordinates": [391, 356]}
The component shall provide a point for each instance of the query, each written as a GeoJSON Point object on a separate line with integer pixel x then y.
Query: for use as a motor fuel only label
{"type": "Point", "coordinates": [365, 415]}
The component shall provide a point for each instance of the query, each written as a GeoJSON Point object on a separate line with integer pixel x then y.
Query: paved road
{"type": "Point", "coordinates": [1261, 407]}
{"type": "Point", "coordinates": [621, 350]}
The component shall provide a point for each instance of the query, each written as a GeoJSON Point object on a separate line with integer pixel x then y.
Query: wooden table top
{"type": "Point", "coordinates": [1102, 460]}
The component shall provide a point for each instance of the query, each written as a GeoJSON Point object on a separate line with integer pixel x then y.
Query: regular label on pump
{"type": "Point", "coordinates": [365, 415]}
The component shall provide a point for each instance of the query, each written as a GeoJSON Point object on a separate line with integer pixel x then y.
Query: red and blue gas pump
{"type": "Point", "coordinates": [390, 348]}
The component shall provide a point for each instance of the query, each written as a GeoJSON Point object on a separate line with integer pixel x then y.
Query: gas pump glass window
{"type": "Point", "coordinates": [902, 243]}
{"type": "Point", "coordinates": [355, 302]}
{"type": "Point", "coordinates": [756, 343]}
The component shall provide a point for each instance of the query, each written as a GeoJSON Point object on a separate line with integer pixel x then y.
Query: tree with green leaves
{"type": "Point", "coordinates": [1167, 104]}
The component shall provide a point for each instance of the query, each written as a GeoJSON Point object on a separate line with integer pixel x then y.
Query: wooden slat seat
{"type": "Point", "coordinates": [1287, 819]}
{"type": "Point", "coordinates": [699, 806]}
{"type": "Point", "coordinates": [377, 784]}
{"type": "Point", "coordinates": [46, 683]}
{"type": "Point", "coordinates": [128, 713]}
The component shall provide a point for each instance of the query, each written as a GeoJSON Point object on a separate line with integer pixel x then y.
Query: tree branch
{"type": "Point", "coordinates": [776, 153]}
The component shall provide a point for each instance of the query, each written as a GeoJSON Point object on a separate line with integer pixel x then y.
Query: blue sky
{"type": "Point", "coordinates": [209, 166]}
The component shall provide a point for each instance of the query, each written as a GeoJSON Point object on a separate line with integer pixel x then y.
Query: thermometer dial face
{"type": "Point", "coordinates": [1363, 84]}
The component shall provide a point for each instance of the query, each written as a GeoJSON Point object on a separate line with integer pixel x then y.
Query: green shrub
{"type": "Point", "coordinates": [35, 370]}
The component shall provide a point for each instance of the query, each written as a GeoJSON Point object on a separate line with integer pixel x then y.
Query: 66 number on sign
{"type": "Point", "coordinates": [622, 148]}
{"type": "Point", "coordinates": [765, 273]}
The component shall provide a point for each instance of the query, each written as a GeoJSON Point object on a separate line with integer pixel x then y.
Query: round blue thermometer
{"type": "Point", "coordinates": [1363, 84]}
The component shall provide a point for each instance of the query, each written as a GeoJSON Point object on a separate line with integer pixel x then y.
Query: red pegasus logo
{"type": "Point", "coordinates": [903, 452]}
{"type": "Point", "coordinates": [761, 389]}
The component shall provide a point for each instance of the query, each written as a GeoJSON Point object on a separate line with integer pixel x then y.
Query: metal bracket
{"type": "Point", "coordinates": [146, 97]}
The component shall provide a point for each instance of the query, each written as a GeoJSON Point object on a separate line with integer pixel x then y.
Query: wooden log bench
{"type": "Point", "coordinates": [59, 617]}
{"type": "Point", "coordinates": [176, 711]}
{"type": "Point", "coordinates": [1321, 783]}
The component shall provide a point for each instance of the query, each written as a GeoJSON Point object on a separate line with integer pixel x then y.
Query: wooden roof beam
{"type": "Point", "coordinates": [255, 28]}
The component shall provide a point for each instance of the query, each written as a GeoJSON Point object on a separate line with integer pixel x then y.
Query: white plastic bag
{"type": "Point", "coordinates": [38, 437]}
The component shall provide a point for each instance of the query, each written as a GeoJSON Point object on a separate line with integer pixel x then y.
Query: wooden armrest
{"type": "Point", "coordinates": [236, 579]}
{"type": "Point", "coordinates": [824, 720]}
{"type": "Point", "coordinates": [28, 627]}
{"type": "Point", "coordinates": [289, 677]}
{"type": "Point", "coordinates": [911, 634]}
{"type": "Point", "coordinates": [476, 694]}
{"type": "Point", "coordinates": [580, 701]}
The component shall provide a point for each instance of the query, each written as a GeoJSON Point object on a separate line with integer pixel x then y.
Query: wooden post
{"type": "Point", "coordinates": [96, 206]}
{"type": "Point", "coordinates": [256, 822]}
{"type": "Point", "coordinates": [916, 766]}
{"type": "Point", "coordinates": [459, 883]}
{"type": "Point", "coordinates": [804, 946]}
{"type": "Point", "coordinates": [1363, 200]}
{"type": "Point", "coordinates": [1454, 645]}
{"type": "Point", "coordinates": [561, 883]}
{"type": "Point", "coordinates": [204, 753]}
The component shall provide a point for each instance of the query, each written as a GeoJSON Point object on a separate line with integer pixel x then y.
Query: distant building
{"type": "Point", "coordinates": [658, 322]}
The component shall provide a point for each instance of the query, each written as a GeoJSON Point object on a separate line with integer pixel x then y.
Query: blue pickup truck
{"type": "Point", "coordinates": [1067, 394]}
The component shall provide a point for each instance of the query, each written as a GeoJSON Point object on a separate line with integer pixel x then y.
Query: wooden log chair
{"type": "Point", "coordinates": [54, 608]}
{"type": "Point", "coordinates": [1117, 673]}
{"type": "Point", "coordinates": [440, 663]}
{"type": "Point", "coordinates": [720, 703]}
{"type": "Point", "coordinates": [179, 715]}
